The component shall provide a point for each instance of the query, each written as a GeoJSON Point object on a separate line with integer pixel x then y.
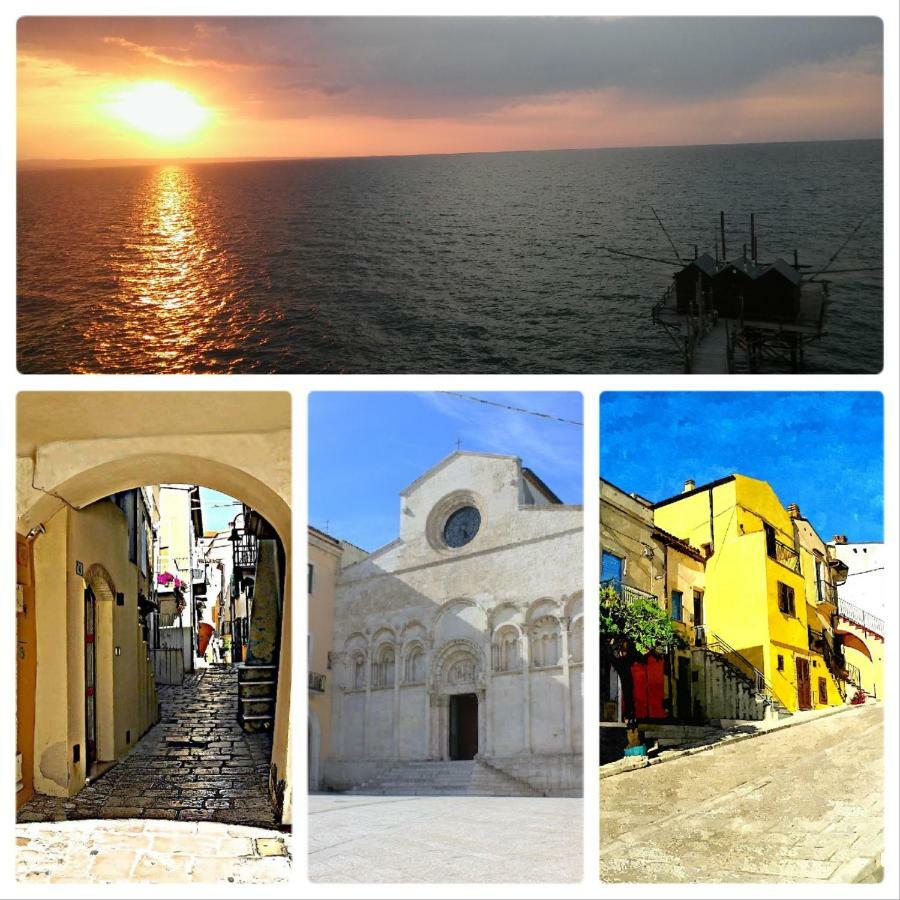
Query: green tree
{"type": "Point", "coordinates": [629, 630]}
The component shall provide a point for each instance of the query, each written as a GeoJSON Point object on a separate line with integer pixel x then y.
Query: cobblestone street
{"type": "Point", "coordinates": [801, 804]}
{"type": "Point", "coordinates": [196, 765]}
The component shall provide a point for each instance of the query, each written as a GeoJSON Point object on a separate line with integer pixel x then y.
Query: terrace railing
{"type": "Point", "coordinates": [626, 592]}
{"type": "Point", "coordinates": [786, 555]}
{"type": "Point", "coordinates": [861, 617]}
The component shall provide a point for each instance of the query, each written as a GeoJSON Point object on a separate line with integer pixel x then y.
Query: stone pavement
{"type": "Point", "coordinates": [444, 839]}
{"type": "Point", "coordinates": [196, 765]}
{"type": "Point", "coordinates": [147, 851]}
{"type": "Point", "coordinates": [799, 804]}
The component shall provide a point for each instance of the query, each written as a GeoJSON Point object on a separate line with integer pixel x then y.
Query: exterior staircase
{"type": "Point", "coordinates": [257, 685]}
{"type": "Point", "coordinates": [472, 778]}
{"type": "Point", "coordinates": [743, 691]}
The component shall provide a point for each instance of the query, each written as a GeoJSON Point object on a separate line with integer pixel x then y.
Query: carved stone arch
{"type": "Point", "coordinates": [576, 639]}
{"type": "Point", "coordinates": [384, 660]}
{"type": "Point", "coordinates": [506, 648]}
{"type": "Point", "coordinates": [543, 606]}
{"type": "Point", "coordinates": [413, 659]}
{"type": "Point", "coordinates": [411, 630]}
{"type": "Point", "coordinates": [446, 605]}
{"type": "Point", "coordinates": [545, 634]}
{"type": "Point", "coordinates": [573, 605]}
{"type": "Point", "coordinates": [356, 641]}
{"type": "Point", "coordinates": [503, 613]}
{"type": "Point", "coordinates": [100, 582]}
{"type": "Point", "coordinates": [458, 619]}
{"type": "Point", "coordinates": [458, 667]}
{"type": "Point", "coordinates": [382, 634]}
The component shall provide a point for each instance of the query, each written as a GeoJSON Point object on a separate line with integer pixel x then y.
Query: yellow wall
{"type": "Point", "coordinates": [325, 557]}
{"type": "Point", "coordinates": [54, 731]}
{"type": "Point", "coordinates": [126, 703]}
{"type": "Point", "coordinates": [741, 597]}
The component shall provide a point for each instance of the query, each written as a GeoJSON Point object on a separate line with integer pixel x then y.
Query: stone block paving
{"type": "Point", "coordinates": [804, 804]}
{"type": "Point", "coordinates": [378, 839]}
{"type": "Point", "coordinates": [196, 765]}
{"type": "Point", "coordinates": [116, 850]}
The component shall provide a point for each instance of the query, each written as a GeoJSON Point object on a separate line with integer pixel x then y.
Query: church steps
{"type": "Point", "coordinates": [463, 778]}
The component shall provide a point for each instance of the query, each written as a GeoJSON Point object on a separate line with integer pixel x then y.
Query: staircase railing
{"type": "Point", "coordinates": [734, 658]}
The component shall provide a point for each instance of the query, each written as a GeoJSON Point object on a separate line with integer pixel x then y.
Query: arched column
{"type": "Point", "coordinates": [395, 718]}
{"type": "Point", "coordinates": [564, 623]}
{"type": "Point", "coordinates": [526, 689]}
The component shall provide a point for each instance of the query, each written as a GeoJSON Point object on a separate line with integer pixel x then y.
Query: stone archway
{"type": "Point", "coordinates": [75, 448]}
{"type": "Point", "coordinates": [457, 672]}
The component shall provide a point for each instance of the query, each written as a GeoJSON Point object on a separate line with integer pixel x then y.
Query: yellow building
{"type": "Point", "coordinates": [760, 603]}
{"type": "Point", "coordinates": [326, 556]}
{"type": "Point", "coordinates": [95, 695]}
{"type": "Point", "coordinates": [323, 566]}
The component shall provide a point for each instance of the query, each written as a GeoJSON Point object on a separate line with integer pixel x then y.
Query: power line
{"type": "Point", "coordinates": [518, 409]}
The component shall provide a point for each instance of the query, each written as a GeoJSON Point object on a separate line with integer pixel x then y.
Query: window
{"type": "Point", "coordinates": [770, 540]}
{"type": "Point", "coordinates": [786, 598]}
{"type": "Point", "coordinates": [677, 597]}
{"type": "Point", "coordinates": [780, 663]}
{"type": "Point", "coordinates": [819, 593]}
{"type": "Point", "coordinates": [612, 568]}
{"type": "Point", "coordinates": [823, 692]}
{"type": "Point", "coordinates": [310, 569]}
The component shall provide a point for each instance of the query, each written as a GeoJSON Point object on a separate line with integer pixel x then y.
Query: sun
{"type": "Point", "coordinates": [159, 109]}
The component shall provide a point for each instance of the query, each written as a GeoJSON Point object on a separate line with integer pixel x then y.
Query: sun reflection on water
{"type": "Point", "coordinates": [175, 279]}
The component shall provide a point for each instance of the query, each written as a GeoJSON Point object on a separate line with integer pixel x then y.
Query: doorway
{"type": "Point", "coordinates": [90, 679]}
{"type": "Point", "coordinates": [683, 689]}
{"type": "Point", "coordinates": [804, 690]}
{"type": "Point", "coordinates": [463, 726]}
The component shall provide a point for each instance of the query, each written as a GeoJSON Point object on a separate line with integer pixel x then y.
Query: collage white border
{"type": "Point", "coordinates": [589, 385]}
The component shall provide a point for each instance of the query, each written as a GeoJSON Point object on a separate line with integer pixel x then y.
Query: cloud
{"type": "Point", "coordinates": [424, 67]}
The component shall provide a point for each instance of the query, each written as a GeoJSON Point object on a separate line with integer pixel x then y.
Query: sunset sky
{"type": "Point", "coordinates": [112, 88]}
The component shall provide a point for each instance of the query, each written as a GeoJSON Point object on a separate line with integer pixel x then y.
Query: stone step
{"type": "Point", "coordinates": [464, 778]}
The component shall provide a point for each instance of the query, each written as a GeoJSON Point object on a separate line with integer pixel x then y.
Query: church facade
{"type": "Point", "coordinates": [464, 637]}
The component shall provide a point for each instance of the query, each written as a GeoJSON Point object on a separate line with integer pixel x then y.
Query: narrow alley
{"type": "Point", "coordinates": [197, 764]}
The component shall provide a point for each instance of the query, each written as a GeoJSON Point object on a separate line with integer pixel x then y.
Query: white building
{"type": "Point", "coordinates": [463, 638]}
{"type": "Point", "coordinates": [865, 584]}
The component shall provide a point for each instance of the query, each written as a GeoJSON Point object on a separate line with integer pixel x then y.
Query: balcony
{"type": "Point", "coordinates": [785, 555]}
{"type": "Point", "coordinates": [317, 682]}
{"type": "Point", "coordinates": [244, 550]}
{"type": "Point", "coordinates": [827, 594]}
{"type": "Point", "coordinates": [860, 617]}
{"type": "Point", "coordinates": [626, 592]}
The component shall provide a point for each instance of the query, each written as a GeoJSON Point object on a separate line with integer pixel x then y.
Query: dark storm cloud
{"type": "Point", "coordinates": [408, 66]}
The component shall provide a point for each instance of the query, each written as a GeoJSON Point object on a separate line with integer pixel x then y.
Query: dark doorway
{"type": "Point", "coordinates": [683, 689]}
{"type": "Point", "coordinates": [463, 726]}
{"type": "Point", "coordinates": [90, 679]}
{"type": "Point", "coordinates": [804, 689]}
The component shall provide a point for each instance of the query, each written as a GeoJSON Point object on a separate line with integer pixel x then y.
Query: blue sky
{"type": "Point", "coordinates": [364, 448]}
{"type": "Point", "coordinates": [823, 451]}
{"type": "Point", "coordinates": [218, 509]}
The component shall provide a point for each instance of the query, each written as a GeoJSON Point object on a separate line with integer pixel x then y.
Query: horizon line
{"type": "Point", "coordinates": [122, 162]}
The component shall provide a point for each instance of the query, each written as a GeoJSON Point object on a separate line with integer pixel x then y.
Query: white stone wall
{"type": "Point", "coordinates": [501, 618]}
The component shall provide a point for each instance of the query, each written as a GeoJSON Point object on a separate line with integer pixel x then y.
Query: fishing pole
{"type": "Point", "coordinates": [836, 253]}
{"type": "Point", "coordinates": [666, 233]}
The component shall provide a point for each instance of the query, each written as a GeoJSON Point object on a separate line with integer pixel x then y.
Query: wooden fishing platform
{"type": "Point", "coordinates": [730, 314]}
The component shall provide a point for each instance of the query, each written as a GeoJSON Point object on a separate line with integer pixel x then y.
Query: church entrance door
{"type": "Point", "coordinates": [463, 726]}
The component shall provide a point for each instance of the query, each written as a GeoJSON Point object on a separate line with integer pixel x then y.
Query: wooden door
{"type": "Point", "coordinates": [90, 679]}
{"type": "Point", "coordinates": [804, 691]}
{"type": "Point", "coordinates": [648, 678]}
